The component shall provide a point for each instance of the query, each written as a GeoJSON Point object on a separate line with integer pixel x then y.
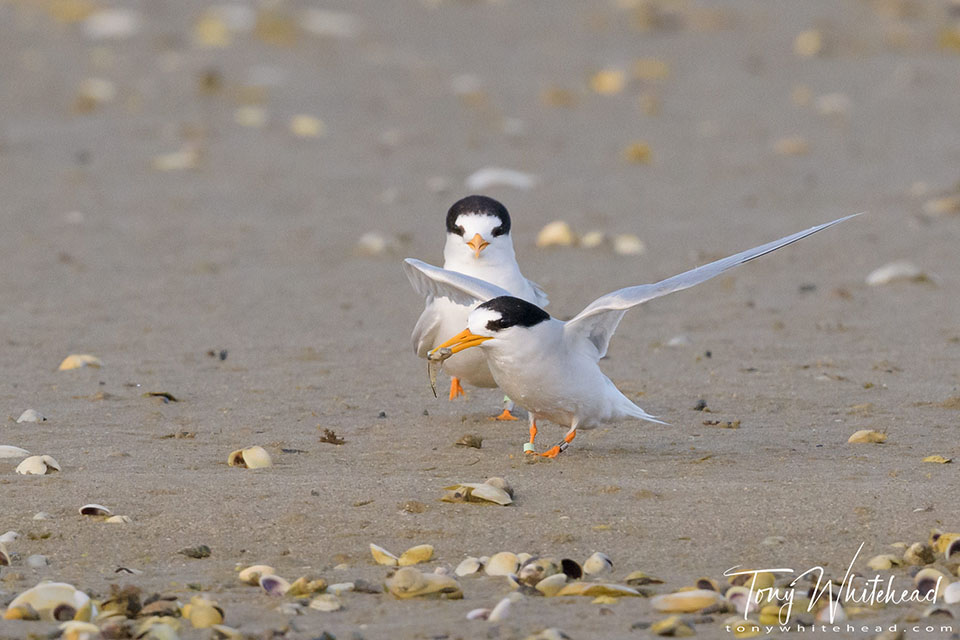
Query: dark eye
{"type": "Point", "coordinates": [498, 231]}
{"type": "Point", "coordinates": [459, 230]}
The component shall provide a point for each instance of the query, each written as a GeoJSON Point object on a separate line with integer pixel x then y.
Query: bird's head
{"type": "Point", "coordinates": [478, 229]}
{"type": "Point", "coordinates": [498, 322]}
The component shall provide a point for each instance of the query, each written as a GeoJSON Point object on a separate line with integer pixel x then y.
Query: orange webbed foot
{"type": "Point", "coordinates": [552, 452]}
{"type": "Point", "coordinates": [456, 389]}
{"type": "Point", "coordinates": [506, 415]}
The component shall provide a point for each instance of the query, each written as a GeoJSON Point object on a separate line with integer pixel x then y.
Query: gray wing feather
{"type": "Point", "coordinates": [433, 282]}
{"type": "Point", "coordinates": [597, 322]}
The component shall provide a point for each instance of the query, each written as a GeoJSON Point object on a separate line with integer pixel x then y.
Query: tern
{"type": "Point", "coordinates": [550, 367]}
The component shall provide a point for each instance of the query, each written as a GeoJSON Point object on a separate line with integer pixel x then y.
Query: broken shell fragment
{"type": "Point", "coordinates": [303, 587]}
{"type": "Point", "coordinates": [53, 601]}
{"type": "Point", "coordinates": [78, 361]}
{"type": "Point", "coordinates": [202, 613]}
{"type": "Point", "coordinates": [500, 483]}
{"type": "Point", "coordinates": [274, 585]}
{"type": "Point", "coordinates": [38, 466]}
{"type": "Point", "coordinates": [411, 583]}
{"type": "Point", "coordinates": [883, 561]}
{"type": "Point", "coordinates": [31, 415]}
{"type": "Point", "coordinates": [8, 451]}
{"type": "Point", "coordinates": [594, 589]}
{"type": "Point", "coordinates": [416, 555]}
{"type": "Point", "coordinates": [639, 579]}
{"type": "Point", "coordinates": [597, 563]}
{"type": "Point", "coordinates": [119, 520]}
{"type": "Point", "coordinates": [686, 601]}
{"type": "Point", "coordinates": [919, 554]}
{"type": "Point", "coordinates": [534, 570]}
{"type": "Point", "coordinates": [556, 234]}
{"type": "Point", "coordinates": [468, 566]}
{"type": "Point", "coordinates": [502, 564]}
{"type": "Point", "coordinates": [478, 614]}
{"type": "Point", "coordinates": [252, 574]}
{"type": "Point", "coordinates": [476, 492]}
{"type": "Point", "coordinates": [551, 585]}
{"type": "Point", "coordinates": [896, 271]}
{"type": "Point", "coordinates": [501, 611]}
{"type": "Point", "coordinates": [382, 556]}
{"type": "Point", "coordinates": [94, 510]}
{"type": "Point", "coordinates": [326, 602]}
{"type": "Point", "coordinates": [672, 627]}
{"type": "Point", "coordinates": [250, 458]}
{"type": "Point", "coordinates": [867, 436]}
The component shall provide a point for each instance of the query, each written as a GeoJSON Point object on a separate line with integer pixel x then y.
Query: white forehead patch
{"type": "Point", "coordinates": [473, 224]}
{"type": "Point", "coordinates": [477, 322]}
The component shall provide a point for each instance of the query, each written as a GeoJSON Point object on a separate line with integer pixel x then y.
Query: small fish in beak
{"type": "Point", "coordinates": [478, 244]}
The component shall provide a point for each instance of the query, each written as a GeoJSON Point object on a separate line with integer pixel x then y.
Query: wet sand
{"type": "Point", "coordinates": [252, 249]}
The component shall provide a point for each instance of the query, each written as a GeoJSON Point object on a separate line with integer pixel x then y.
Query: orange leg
{"type": "Point", "coordinates": [529, 447]}
{"type": "Point", "coordinates": [556, 449]}
{"type": "Point", "coordinates": [455, 388]}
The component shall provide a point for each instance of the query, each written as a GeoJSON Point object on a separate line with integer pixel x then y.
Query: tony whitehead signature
{"type": "Point", "coordinates": [869, 592]}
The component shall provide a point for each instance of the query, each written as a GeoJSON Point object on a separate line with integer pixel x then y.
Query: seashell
{"type": "Point", "coordinates": [163, 606]}
{"type": "Point", "coordinates": [597, 563]}
{"type": "Point", "coordinates": [119, 520]}
{"type": "Point", "coordinates": [942, 206]}
{"type": "Point", "coordinates": [38, 466]}
{"type": "Point", "coordinates": [686, 601]}
{"type": "Point", "coordinates": [523, 557]}
{"type": "Point", "coordinates": [951, 593]}
{"type": "Point", "coordinates": [42, 515]}
{"type": "Point", "coordinates": [476, 492]}
{"type": "Point", "coordinates": [37, 561]}
{"type": "Point", "coordinates": [223, 632]}
{"type": "Point", "coordinates": [382, 556]}
{"type": "Point", "coordinates": [416, 555]}
{"type": "Point", "coordinates": [919, 554]}
{"type": "Point", "coordinates": [250, 458]}
{"type": "Point", "coordinates": [952, 552]}
{"type": "Point", "coordinates": [502, 564]}
{"type": "Point", "coordinates": [31, 415]}
{"type": "Point", "coordinates": [77, 630]}
{"type": "Point", "coordinates": [551, 585]}
{"type": "Point", "coordinates": [883, 561]}
{"type": "Point", "coordinates": [478, 614]}
{"type": "Point", "coordinates": [468, 566]}
{"type": "Point", "coordinates": [7, 451]}
{"type": "Point", "coordinates": [94, 510]}
{"type": "Point", "coordinates": [639, 578]}
{"type": "Point", "coordinates": [592, 239]}
{"type": "Point", "coordinates": [627, 244]}
{"type": "Point", "coordinates": [289, 609]}
{"type": "Point", "coordinates": [742, 599]}
{"type": "Point", "coordinates": [556, 234]}
{"type": "Point", "coordinates": [867, 436]}
{"type": "Point", "coordinates": [832, 613]}
{"type": "Point", "coordinates": [340, 587]}
{"type": "Point", "coordinates": [759, 580]}
{"type": "Point", "coordinates": [306, 126]}
{"type": "Point", "coordinates": [274, 585]}
{"type": "Point", "coordinates": [940, 541]}
{"type": "Point", "coordinates": [411, 583]}
{"type": "Point", "coordinates": [252, 574]}
{"type": "Point", "coordinates": [536, 569]}
{"type": "Point", "coordinates": [164, 628]}
{"type": "Point", "coordinates": [550, 634]}
{"type": "Point", "coordinates": [483, 179]}
{"type": "Point", "coordinates": [78, 361]}
{"type": "Point", "coordinates": [326, 602]}
{"type": "Point", "coordinates": [501, 611]}
{"type": "Point", "coordinates": [501, 484]}
{"type": "Point", "coordinates": [373, 243]}
{"type": "Point", "coordinates": [571, 568]}
{"type": "Point", "coordinates": [937, 610]}
{"type": "Point", "coordinates": [4, 556]}
{"type": "Point", "coordinates": [708, 584]}
{"type": "Point", "coordinates": [896, 271]}
{"type": "Point", "coordinates": [9, 536]}
{"type": "Point", "coordinates": [938, 459]}
{"type": "Point", "coordinates": [928, 580]}
{"type": "Point", "coordinates": [202, 613]}
{"type": "Point", "coordinates": [470, 440]}
{"type": "Point", "coordinates": [673, 627]}
{"type": "Point", "coordinates": [53, 601]}
{"type": "Point", "coordinates": [594, 589]}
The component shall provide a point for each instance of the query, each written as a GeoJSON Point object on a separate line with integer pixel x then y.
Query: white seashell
{"type": "Point", "coordinates": [502, 564]}
{"type": "Point", "coordinates": [478, 614]}
{"type": "Point", "coordinates": [556, 234]}
{"type": "Point", "coordinates": [833, 613]}
{"type": "Point", "coordinates": [251, 575]}
{"type": "Point", "coordinates": [37, 561]}
{"type": "Point", "coordinates": [326, 602]}
{"type": "Point", "coordinates": [951, 595]}
{"type": "Point", "coordinates": [597, 564]}
{"type": "Point", "coordinates": [627, 244]}
{"type": "Point", "coordinates": [290, 608]}
{"type": "Point", "coordinates": [340, 587]}
{"type": "Point", "coordinates": [274, 585]}
{"type": "Point", "coordinates": [95, 510]}
{"type": "Point", "coordinates": [8, 451]}
{"type": "Point", "coordinates": [416, 555]}
{"type": "Point", "coordinates": [740, 598]}
{"type": "Point", "coordinates": [468, 566]}
{"type": "Point", "coordinates": [373, 243]}
{"type": "Point", "coordinates": [38, 466]}
{"type": "Point", "coordinates": [487, 177]}
{"type": "Point", "coordinates": [111, 24]}
{"type": "Point", "coordinates": [56, 601]}
{"type": "Point", "coordinates": [501, 611]}
{"type": "Point", "coordinates": [895, 271]}
{"type": "Point", "coordinates": [4, 556]}
{"type": "Point", "coordinates": [119, 520]}
{"type": "Point", "coordinates": [685, 601]}
{"type": "Point", "coordinates": [250, 458]}
{"type": "Point", "coordinates": [77, 630]}
{"type": "Point", "coordinates": [78, 361]}
{"type": "Point", "coordinates": [679, 341]}
{"type": "Point", "coordinates": [382, 556]}
{"type": "Point", "coordinates": [410, 583]}
{"type": "Point", "coordinates": [42, 515]}
{"type": "Point", "coordinates": [31, 415]}
{"type": "Point", "coordinates": [592, 239]}
{"type": "Point", "coordinates": [8, 537]}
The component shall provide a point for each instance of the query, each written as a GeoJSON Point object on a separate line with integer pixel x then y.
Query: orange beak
{"type": "Point", "coordinates": [463, 340]}
{"type": "Point", "coordinates": [478, 244]}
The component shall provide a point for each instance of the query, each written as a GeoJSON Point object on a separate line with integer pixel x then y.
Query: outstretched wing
{"type": "Point", "coordinates": [433, 282]}
{"type": "Point", "coordinates": [597, 322]}
{"type": "Point", "coordinates": [540, 296]}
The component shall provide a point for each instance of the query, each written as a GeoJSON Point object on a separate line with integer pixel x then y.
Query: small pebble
{"type": "Point", "coordinates": [627, 244]}
{"type": "Point", "coordinates": [900, 270]}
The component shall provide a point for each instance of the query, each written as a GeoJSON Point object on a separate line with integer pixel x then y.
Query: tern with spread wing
{"type": "Point", "coordinates": [550, 367]}
{"type": "Point", "coordinates": [478, 244]}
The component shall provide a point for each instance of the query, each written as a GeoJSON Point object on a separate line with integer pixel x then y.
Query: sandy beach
{"type": "Point", "coordinates": [183, 192]}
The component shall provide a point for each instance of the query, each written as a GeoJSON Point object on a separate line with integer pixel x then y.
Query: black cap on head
{"type": "Point", "coordinates": [481, 206]}
{"type": "Point", "coordinates": [514, 312]}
